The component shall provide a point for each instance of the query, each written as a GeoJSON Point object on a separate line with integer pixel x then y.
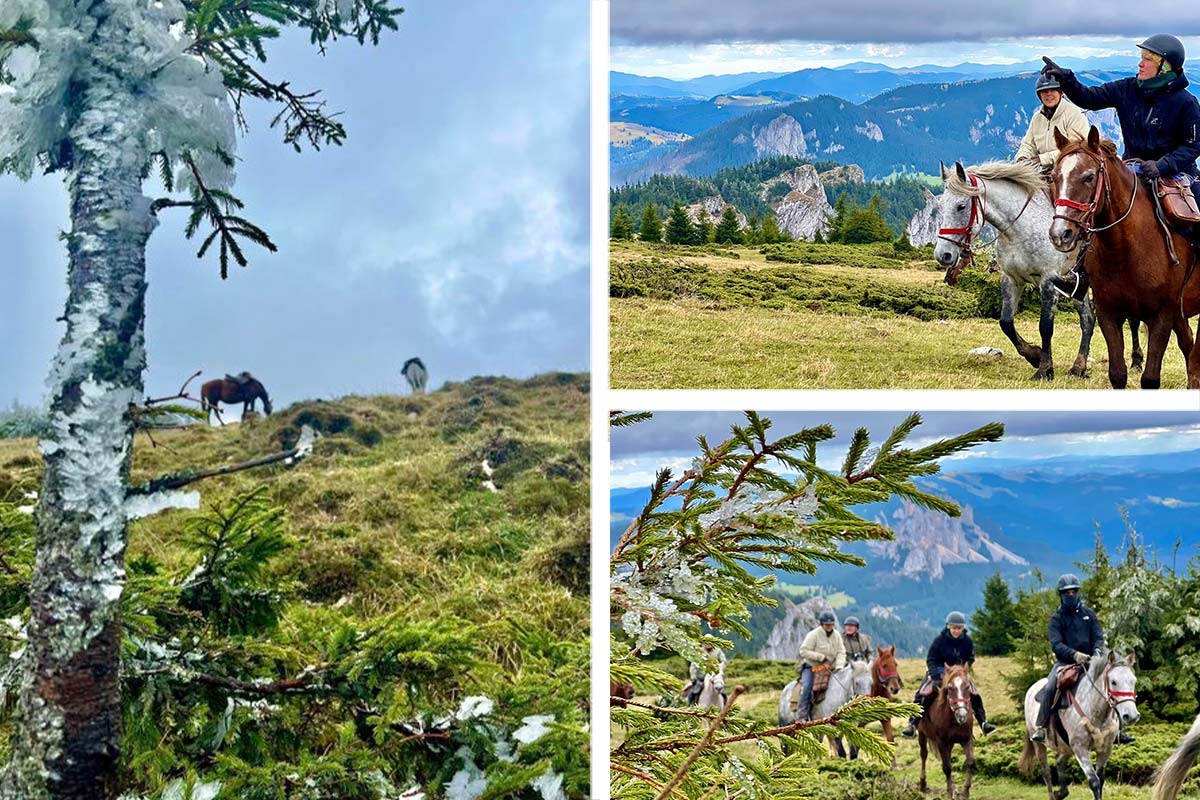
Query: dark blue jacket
{"type": "Point", "coordinates": [1073, 632]}
{"type": "Point", "coordinates": [1160, 124]}
{"type": "Point", "coordinates": [948, 650]}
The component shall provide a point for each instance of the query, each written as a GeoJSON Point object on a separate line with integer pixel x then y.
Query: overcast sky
{"type": "Point", "coordinates": [452, 225]}
{"type": "Point", "coordinates": [689, 38]}
{"type": "Point", "coordinates": [669, 439]}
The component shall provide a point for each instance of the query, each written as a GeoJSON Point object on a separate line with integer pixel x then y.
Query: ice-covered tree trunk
{"type": "Point", "coordinates": [67, 738]}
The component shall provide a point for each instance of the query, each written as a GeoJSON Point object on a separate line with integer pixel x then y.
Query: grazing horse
{"type": "Point", "coordinates": [853, 680]}
{"type": "Point", "coordinates": [950, 721]}
{"type": "Point", "coordinates": [1104, 205]}
{"type": "Point", "coordinates": [885, 683]}
{"type": "Point", "coordinates": [416, 374]}
{"type": "Point", "coordinates": [1169, 777]}
{"type": "Point", "coordinates": [1089, 724]}
{"type": "Point", "coordinates": [1013, 198]}
{"type": "Point", "coordinates": [224, 390]}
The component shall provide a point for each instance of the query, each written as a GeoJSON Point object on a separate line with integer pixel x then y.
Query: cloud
{"type": "Point", "coordinates": [765, 21]}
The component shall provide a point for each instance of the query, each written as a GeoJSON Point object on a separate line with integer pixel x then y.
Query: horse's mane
{"type": "Point", "coordinates": [1108, 148]}
{"type": "Point", "coordinates": [1023, 173]}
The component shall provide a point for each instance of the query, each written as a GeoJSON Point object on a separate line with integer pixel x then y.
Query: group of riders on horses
{"type": "Point", "coordinates": [1074, 634]}
{"type": "Point", "coordinates": [1159, 118]}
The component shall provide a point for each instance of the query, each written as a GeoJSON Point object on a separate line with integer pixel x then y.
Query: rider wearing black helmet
{"type": "Point", "coordinates": [1038, 144]}
{"type": "Point", "coordinates": [952, 646]}
{"type": "Point", "coordinates": [822, 646]}
{"type": "Point", "coordinates": [1075, 637]}
{"type": "Point", "coordinates": [1160, 119]}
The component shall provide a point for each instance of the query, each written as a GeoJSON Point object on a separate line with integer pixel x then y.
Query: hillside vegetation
{"type": "Point", "coordinates": [810, 316]}
{"type": "Point", "coordinates": [388, 569]}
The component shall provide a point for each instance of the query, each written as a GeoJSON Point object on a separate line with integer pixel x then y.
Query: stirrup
{"type": "Point", "coordinates": [1074, 289]}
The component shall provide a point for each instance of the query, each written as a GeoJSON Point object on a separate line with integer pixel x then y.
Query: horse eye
{"type": "Point", "coordinates": [1089, 177]}
{"type": "Point", "coordinates": [962, 206]}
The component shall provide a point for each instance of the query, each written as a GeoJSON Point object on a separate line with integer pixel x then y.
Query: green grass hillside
{"type": "Point", "coordinates": [996, 775]}
{"type": "Point", "coordinates": [390, 532]}
{"type": "Point", "coordinates": [805, 316]}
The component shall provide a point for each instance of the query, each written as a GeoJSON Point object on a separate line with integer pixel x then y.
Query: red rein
{"type": "Point", "coordinates": [966, 233]}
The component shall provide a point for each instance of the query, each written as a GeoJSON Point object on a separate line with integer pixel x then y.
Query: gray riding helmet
{"type": "Point", "coordinates": [826, 618]}
{"type": "Point", "coordinates": [1167, 46]}
{"type": "Point", "coordinates": [1068, 580]}
{"type": "Point", "coordinates": [1047, 82]}
{"type": "Point", "coordinates": [956, 618]}
{"type": "Point", "coordinates": [851, 621]}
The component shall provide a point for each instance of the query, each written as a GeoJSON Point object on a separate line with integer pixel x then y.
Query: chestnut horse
{"type": "Point", "coordinates": [885, 683]}
{"type": "Point", "coordinates": [1101, 202]}
{"type": "Point", "coordinates": [950, 721]}
{"type": "Point", "coordinates": [223, 390]}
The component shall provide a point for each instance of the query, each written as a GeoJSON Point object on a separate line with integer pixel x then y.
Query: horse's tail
{"type": "Point", "coordinates": [1028, 758]}
{"type": "Point", "coordinates": [1170, 775]}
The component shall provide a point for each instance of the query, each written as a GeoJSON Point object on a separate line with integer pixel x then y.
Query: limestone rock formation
{"type": "Point", "coordinates": [782, 136]}
{"type": "Point", "coordinates": [783, 644]}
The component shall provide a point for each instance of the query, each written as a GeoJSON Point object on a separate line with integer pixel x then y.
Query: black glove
{"type": "Point", "coordinates": [1150, 169]}
{"type": "Point", "coordinates": [1055, 71]}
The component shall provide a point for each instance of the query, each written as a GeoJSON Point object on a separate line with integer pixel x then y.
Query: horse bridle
{"type": "Point", "coordinates": [1103, 186]}
{"type": "Point", "coordinates": [1109, 695]}
{"type": "Point", "coordinates": [966, 233]}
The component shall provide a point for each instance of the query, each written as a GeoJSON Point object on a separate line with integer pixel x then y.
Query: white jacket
{"type": "Point", "coordinates": [1039, 139]}
{"type": "Point", "coordinates": [819, 647]}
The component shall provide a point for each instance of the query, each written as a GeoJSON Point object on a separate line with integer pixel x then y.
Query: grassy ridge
{"type": "Point", "coordinates": [390, 515]}
{"type": "Point", "coordinates": [825, 316]}
{"type": "Point", "coordinates": [996, 756]}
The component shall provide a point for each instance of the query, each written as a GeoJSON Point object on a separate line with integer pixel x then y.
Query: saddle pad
{"type": "Point", "coordinates": [1178, 202]}
{"type": "Point", "coordinates": [821, 674]}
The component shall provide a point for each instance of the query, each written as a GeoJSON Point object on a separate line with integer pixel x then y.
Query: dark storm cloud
{"type": "Point", "coordinates": [702, 21]}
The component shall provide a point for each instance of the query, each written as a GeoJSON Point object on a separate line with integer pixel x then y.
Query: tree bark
{"type": "Point", "coordinates": [67, 734]}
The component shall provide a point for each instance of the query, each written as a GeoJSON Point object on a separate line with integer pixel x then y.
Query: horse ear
{"type": "Point", "coordinates": [1060, 141]}
{"type": "Point", "coordinates": [892, 650]}
{"type": "Point", "coordinates": [1094, 138]}
{"type": "Point", "coordinates": [1112, 654]}
{"type": "Point", "coordinates": [1131, 659]}
{"type": "Point", "coordinates": [942, 167]}
{"type": "Point", "coordinates": [928, 194]}
{"type": "Point", "coordinates": [962, 173]}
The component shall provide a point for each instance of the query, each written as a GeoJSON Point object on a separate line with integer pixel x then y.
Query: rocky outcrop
{"type": "Point", "coordinates": [783, 644]}
{"type": "Point", "coordinates": [870, 130]}
{"type": "Point", "coordinates": [805, 209]}
{"type": "Point", "coordinates": [782, 136]}
{"type": "Point", "coordinates": [714, 206]}
{"type": "Point", "coordinates": [923, 227]}
{"type": "Point", "coordinates": [927, 541]}
{"type": "Point", "coordinates": [844, 173]}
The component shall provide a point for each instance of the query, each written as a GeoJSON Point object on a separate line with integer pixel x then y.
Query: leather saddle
{"type": "Point", "coordinates": [1177, 201]}
{"type": "Point", "coordinates": [1068, 676]}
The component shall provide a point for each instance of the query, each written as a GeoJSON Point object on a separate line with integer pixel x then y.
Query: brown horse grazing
{"type": "Point", "coordinates": [223, 390]}
{"type": "Point", "coordinates": [950, 721]}
{"type": "Point", "coordinates": [1132, 275]}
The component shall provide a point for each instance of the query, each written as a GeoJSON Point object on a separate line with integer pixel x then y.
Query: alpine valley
{"type": "Point", "coordinates": [1025, 522]}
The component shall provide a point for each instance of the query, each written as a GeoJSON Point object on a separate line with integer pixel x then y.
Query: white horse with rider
{"type": "Point", "coordinates": [847, 683]}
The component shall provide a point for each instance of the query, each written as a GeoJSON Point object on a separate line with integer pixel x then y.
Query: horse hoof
{"type": "Point", "coordinates": [1043, 375]}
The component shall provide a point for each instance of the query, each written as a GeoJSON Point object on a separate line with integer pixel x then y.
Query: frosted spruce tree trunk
{"type": "Point", "coordinates": [67, 740]}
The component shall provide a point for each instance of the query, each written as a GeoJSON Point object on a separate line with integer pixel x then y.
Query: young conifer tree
{"type": "Point", "coordinates": [105, 93]}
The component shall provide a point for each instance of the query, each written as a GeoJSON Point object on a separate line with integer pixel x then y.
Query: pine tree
{"type": "Point", "coordinates": [994, 625]}
{"type": "Point", "coordinates": [651, 229]}
{"type": "Point", "coordinates": [752, 234]}
{"type": "Point", "coordinates": [818, 238]}
{"type": "Point", "coordinates": [770, 231]}
{"type": "Point", "coordinates": [122, 89]}
{"type": "Point", "coordinates": [727, 231]}
{"type": "Point", "coordinates": [704, 228]}
{"type": "Point", "coordinates": [622, 224]}
{"type": "Point", "coordinates": [838, 222]}
{"type": "Point", "coordinates": [680, 229]}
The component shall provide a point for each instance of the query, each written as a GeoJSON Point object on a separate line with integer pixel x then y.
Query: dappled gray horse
{"type": "Point", "coordinates": [1012, 197]}
{"type": "Point", "coordinates": [853, 680]}
{"type": "Point", "coordinates": [1104, 697]}
{"type": "Point", "coordinates": [713, 693]}
{"type": "Point", "coordinates": [416, 374]}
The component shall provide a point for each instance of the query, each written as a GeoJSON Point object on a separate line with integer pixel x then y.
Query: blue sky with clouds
{"type": "Point", "coordinates": [682, 39]}
{"type": "Point", "coordinates": [669, 439]}
{"type": "Point", "coordinates": [452, 225]}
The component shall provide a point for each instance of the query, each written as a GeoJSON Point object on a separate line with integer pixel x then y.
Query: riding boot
{"type": "Point", "coordinates": [911, 730]}
{"type": "Point", "coordinates": [1043, 717]}
{"type": "Point", "coordinates": [981, 715]}
{"type": "Point", "coordinates": [1123, 737]}
{"type": "Point", "coordinates": [1073, 284]}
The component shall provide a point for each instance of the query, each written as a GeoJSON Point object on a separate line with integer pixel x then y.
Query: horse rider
{"type": "Point", "coordinates": [822, 645]}
{"type": "Point", "coordinates": [1038, 144]}
{"type": "Point", "coordinates": [1075, 638]}
{"type": "Point", "coordinates": [858, 645]}
{"type": "Point", "coordinates": [953, 646]}
{"type": "Point", "coordinates": [696, 673]}
{"type": "Point", "coordinates": [1160, 119]}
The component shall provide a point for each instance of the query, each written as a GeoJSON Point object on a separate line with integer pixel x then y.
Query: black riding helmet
{"type": "Point", "coordinates": [826, 618]}
{"type": "Point", "coordinates": [1166, 46]}
{"type": "Point", "coordinates": [1068, 580]}
{"type": "Point", "coordinates": [1045, 82]}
